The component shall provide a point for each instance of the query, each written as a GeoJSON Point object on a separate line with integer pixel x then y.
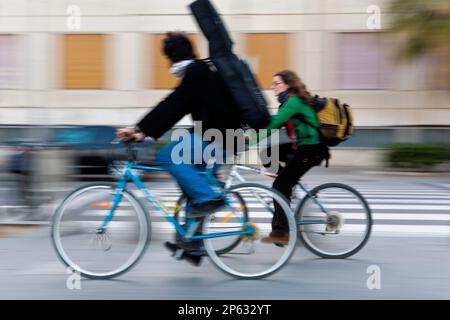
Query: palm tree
{"type": "Point", "coordinates": [425, 26]}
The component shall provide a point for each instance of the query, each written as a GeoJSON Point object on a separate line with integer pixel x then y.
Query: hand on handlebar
{"type": "Point", "coordinates": [130, 135]}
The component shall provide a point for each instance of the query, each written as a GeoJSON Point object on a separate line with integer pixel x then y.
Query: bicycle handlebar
{"type": "Point", "coordinates": [131, 151]}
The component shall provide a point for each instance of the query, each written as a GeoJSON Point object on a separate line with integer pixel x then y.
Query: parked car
{"type": "Point", "coordinates": [90, 145]}
{"type": "Point", "coordinates": [94, 150]}
{"type": "Point", "coordinates": [17, 143]}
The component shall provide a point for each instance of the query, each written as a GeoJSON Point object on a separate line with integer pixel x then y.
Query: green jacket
{"type": "Point", "coordinates": [289, 115]}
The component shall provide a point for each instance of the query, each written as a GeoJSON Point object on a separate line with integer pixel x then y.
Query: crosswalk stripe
{"type": "Point", "coordinates": [377, 230]}
{"type": "Point", "coordinates": [396, 194]}
{"type": "Point", "coordinates": [265, 214]}
{"type": "Point", "coordinates": [393, 206]}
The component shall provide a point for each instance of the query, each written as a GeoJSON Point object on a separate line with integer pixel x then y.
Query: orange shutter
{"type": "Point", "coordinates": [84, 62]}
{"type": "Point", "coordinates": [268, 53]}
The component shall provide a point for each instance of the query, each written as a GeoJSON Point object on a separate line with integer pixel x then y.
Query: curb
{"type": "Point", "coordinates": [24, 223]}
{"type": "Point", "coordinates": [407, 173]}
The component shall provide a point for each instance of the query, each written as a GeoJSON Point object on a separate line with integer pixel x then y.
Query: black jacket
{"type": "Point", "coordinates": [201, 93]}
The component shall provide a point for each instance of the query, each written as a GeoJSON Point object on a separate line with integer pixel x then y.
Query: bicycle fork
{"type": "Point", "coordinates": [118, 194]}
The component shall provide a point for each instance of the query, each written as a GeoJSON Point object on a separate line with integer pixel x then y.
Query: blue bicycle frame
{"type": "Point", "coordinates": [235, 174]}
{"type": "Point", "coordinates": [128, 175]}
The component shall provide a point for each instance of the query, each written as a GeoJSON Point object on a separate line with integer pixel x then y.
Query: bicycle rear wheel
{"type": "Point", "coordinates": [100, 254]}
{"type": "Point", "coordinates": [232, 217]}
{"type": "Point", "coordinates": [344, 230]}
{"type": "Point", "coordinates": [251, 258]}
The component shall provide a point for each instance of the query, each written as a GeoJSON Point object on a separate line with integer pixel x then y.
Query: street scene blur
{"type": "Point", "coordinates": [74, 72]}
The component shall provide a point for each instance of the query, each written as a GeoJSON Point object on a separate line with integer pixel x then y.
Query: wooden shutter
{"type": "Point", "coordinates": [84, 61]}
{"type": "Point", "coordinates": [268, 53]}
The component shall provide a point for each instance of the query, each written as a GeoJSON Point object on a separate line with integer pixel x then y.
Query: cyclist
{"type": "Point", "coordinates": [202, 94]}
{"type": "Point", "coordinates": [296, 104]}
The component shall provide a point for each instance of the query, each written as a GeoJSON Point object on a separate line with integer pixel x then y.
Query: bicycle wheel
{"type": "Point", "coordinates": [233, 217]}
{"type": "Point", "coordinates": [344, 230]}
{"type": "Point", "coordinates": [94, 254]}
{"type": "Point", "coordinates": [252, 259]}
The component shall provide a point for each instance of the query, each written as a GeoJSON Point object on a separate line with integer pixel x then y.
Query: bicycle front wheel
{"type": "Point", "coordinates": [252, 258]}
{"type": "Point", "coordinates": [334, 221]}
{"type": "Point", "coordinates": [94, 253]}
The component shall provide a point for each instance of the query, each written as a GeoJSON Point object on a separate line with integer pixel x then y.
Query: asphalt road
{"type": "Point", "coordinates": [407, 256]}
{"type": "Point", "coordinates": [408, 268]}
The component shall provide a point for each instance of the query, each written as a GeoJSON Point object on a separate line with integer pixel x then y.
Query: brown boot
{"type": "Point", "coordinates": [276, 239]}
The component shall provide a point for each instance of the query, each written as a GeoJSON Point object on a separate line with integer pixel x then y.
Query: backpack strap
{"type": "Point", "coordinates": [301, 118]}
{"type": "Point", "coordinates": [210, 64]}
{"type": "Point", "coordinates": [327, 157]}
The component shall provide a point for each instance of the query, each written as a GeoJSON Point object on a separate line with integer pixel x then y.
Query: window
{"type": "Point", "coordinates": [362, 62]}
{"type": "Point", "coordinates": [160, 77]}
{"type": "Point", "coordinates": [84, 61]}
{"type": "Point", "coordinates": [267, 53]}
{"type": "Point", "coordinates": [370, 138]}
{"type": "Point", "coordinates": [9, 62]}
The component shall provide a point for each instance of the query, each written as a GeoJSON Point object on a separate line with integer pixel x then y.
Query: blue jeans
{"type": "Point", "coordinates": [185, 160]}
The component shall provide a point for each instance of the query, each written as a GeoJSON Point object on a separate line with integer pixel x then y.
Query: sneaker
{"type": "Point", "coordinates": [207, 207]}
{"type": "Point", "coordinates": [172, 247]}
{"type": "Point", "coordinates": [278, 240]}
{"type": "Point", "coordinates": [194, 257]}
{"type": "Point", "coordinates": [188, 244]}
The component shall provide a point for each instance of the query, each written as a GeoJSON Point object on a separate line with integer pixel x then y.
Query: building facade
{"type": "Point", "coordinates": [95, 62]}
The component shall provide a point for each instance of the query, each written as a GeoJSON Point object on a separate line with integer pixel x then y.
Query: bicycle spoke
{"type": "Point", "coordinates": [252, 258]}
{"type": "Point", "coordinates": [343, 231]}
{"type": "Point", "coordinates": [93, 251]}
{"type": "Point", "coordinates": [229, 220]}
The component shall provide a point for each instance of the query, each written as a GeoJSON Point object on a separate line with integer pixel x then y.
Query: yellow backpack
{"type": "Point", "coordinates": [335, 118]}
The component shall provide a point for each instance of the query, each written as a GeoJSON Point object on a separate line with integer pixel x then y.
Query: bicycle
{"type": "Point", "coordinates": [102, 230]}
{"type": "Point", "coordinates": [319, 224]}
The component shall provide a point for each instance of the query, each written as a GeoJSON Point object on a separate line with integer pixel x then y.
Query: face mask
{"type": "Point", "coordinates": [178, 69]}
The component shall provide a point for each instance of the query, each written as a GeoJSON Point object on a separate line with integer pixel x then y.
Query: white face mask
{"type": "Point", "coordinates": [178, 69]}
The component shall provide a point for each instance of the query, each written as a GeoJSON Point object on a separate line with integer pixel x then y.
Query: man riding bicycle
{"type": "Point", "coordinates": [202, 94]}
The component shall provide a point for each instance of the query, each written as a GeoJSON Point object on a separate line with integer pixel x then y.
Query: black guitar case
{"type": "Point", "coordinates": [235, 72]}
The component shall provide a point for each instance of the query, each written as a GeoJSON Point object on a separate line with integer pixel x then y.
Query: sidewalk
{"type": "Point", "coordinates": [376, 171]}
{"type": "Point", "coordinates": [332, 169]}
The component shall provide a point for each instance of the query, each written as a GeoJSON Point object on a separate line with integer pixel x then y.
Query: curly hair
{"type": "Point", "coordinates": [296, 85]}
{"type": "Point", "coordinates": [178, 47]}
